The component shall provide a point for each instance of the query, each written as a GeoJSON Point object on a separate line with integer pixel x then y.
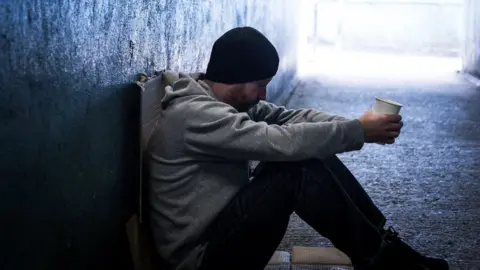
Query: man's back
{"type": "Point", "coordinates": [187, 189]}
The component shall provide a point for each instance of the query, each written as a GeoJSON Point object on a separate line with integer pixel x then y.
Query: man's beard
{"type": "Point", "coordinates": [245, 106]}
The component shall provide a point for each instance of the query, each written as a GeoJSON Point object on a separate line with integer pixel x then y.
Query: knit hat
{"type": "Point", "coordinates": [242, 55]}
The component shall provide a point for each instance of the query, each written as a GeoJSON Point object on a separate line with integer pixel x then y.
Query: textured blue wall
{"type": "Point", "coordinates": [68, 117]}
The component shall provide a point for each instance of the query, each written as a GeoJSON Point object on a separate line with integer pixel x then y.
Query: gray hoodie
{"type": "Point", "coordinates": [199, 156]}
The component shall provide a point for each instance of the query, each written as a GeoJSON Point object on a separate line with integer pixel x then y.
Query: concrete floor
{"type": "Point", "coordinates": [428, 183]}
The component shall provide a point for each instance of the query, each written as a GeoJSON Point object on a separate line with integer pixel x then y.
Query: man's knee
{"type": "Point", "coordinates": [294, 168]}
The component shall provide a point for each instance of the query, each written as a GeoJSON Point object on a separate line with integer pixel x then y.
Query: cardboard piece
{"type": "Point", "coordinates": [142, 246]}
{"type": "Point", "coordinates": [142, 249]}
{"type": "Point", "coordinates": [152, 91]}
{"type": "Point", "coordinates": [319, 255]}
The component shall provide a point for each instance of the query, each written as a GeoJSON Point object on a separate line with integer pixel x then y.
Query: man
{"type": "Point", "coordinates": [209, 213]}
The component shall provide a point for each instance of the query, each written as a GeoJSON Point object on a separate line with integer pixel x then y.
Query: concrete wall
{"type": "Point", "coordinates": [69, 118]}
{"type": "Point", "coordinates": [471, 49]}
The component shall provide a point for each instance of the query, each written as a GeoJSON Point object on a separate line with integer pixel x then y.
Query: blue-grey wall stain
{"type": "Point", "coordinates": [69, 114]}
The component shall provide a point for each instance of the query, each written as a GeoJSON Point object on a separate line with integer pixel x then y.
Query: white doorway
{"type": "Point", "coordinates": [380, 38]}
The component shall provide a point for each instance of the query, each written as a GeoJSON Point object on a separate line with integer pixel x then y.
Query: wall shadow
{"type": "Point", "coordinates": [70, 176]}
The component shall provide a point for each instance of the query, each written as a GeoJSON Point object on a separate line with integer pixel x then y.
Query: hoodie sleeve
{"type": "Point", "coordinates": [217, 129]}
{"type": "Point", "coordinates": [273, 114]}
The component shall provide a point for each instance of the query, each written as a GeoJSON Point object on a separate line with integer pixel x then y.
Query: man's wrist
{"type": "Point", "coordinates": [356, 130]}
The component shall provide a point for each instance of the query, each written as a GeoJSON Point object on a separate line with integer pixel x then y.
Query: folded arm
{"type": "Point", "coordinates": [273, 114]}
{"type": "Point", "coordinates": [216, 129]}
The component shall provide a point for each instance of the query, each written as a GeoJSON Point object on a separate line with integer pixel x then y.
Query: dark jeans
{"type": "Point", "coordinates": [322, 192]}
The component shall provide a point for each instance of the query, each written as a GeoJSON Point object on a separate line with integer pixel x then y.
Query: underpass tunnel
{"type": "Point", "coordinates": [69, 117]}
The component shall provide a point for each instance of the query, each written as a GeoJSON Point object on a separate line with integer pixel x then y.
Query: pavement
{"type": "Point", "coordinates": [428, 182]}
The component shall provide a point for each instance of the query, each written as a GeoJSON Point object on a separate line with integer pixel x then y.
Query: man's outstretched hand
{"type": "Point", "coordinates": [381, 128]}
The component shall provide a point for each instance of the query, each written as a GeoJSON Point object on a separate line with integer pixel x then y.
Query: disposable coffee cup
{"type": "Point", "coordinates": [386, 106]}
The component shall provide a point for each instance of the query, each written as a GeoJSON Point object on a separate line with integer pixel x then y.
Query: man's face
{"type": "Point", "coordinates": [244, 96]}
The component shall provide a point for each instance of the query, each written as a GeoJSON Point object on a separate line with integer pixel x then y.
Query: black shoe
{"type": "Point", "coordinates": [398, 254]}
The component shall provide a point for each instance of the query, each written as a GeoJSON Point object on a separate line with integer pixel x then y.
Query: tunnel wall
{"type": "Point", "coordinates": [471, 57]}
{"type": "Point", "coordinates": [69, 115]}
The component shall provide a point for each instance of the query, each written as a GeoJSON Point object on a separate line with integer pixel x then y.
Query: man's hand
{"type": "Point", "coordinates": [381, 128]}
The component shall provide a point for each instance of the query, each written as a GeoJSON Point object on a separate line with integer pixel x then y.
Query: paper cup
{"type": "Point", "coordinates": [385, 106]}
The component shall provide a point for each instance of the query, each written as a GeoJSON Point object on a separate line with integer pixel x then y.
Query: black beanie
{"type": "Point", "coordinates": [242, 55]}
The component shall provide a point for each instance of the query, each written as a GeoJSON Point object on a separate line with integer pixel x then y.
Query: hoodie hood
{"type": "Point", "coordinates": [178, 84]}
